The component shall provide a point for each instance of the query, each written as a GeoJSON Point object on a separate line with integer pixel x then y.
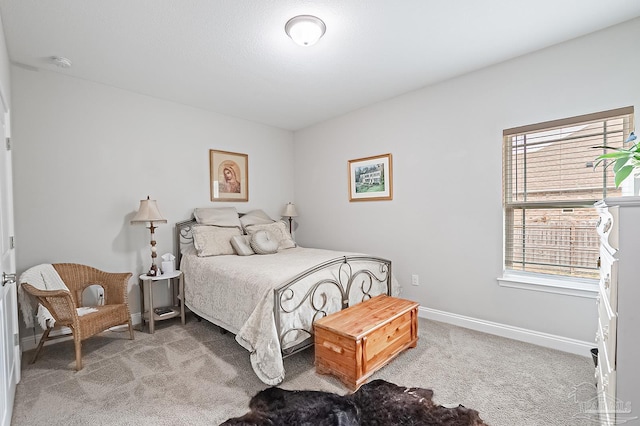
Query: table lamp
{"type": "Point", "coordinates": [290, 212]}
{"type": "Point", "coordinates": [148, 212]}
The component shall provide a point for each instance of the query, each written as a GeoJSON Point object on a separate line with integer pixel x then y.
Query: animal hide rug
{"type": "Point", "coordinates": [378, 403]}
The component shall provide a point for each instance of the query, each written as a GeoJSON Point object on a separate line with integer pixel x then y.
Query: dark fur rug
{"type": "Point", "coordinates": [378, 403]}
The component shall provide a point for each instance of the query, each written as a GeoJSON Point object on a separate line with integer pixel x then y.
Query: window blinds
{"type": "Point", "coordinates": [550, 186]}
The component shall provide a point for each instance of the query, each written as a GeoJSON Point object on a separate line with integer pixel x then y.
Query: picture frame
{"type": "Point", "coordinates": [228, 176]}
{"type": "Point", "coordinates": [371, 178]}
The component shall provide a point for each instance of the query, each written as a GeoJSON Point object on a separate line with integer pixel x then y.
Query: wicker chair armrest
{"type": "Point", "coordinates": [59, 303]}
{"type": "Point", "coordinates": [44, 293]}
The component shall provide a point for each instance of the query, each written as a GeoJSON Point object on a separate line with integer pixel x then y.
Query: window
{"type": "Point", "coordinates": [550, 186]}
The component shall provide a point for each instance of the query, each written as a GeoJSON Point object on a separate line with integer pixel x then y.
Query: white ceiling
{"type": "Point", "coordinates": [233, 57]}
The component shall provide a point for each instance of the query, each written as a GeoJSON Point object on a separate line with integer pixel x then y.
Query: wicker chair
{"type": "Point", "coordinates": [62, 304]}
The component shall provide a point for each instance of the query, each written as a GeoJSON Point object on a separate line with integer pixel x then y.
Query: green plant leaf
{"type": "Point", "coordinates": [622, 174]}
{"type": "Point", "coordinates": [620, 158]}
{"type": "Point", "coordinates": [619, 163]}
{"type": "Point", "coordinates": [625, 161]}
{"type": "Point", "coordinates": [617, 154]}
{"type": "Point", "coordinates": [612, 148]}
{"type": "Point", "coordinates": [603, 146]}
{"type": "Point", "coordinates": [600, 160]}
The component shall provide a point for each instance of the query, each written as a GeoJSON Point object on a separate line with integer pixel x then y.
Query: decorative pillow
{"type": "Point", "coordinates": [262, 242]}
{"type": "Point", "coordinates": [255, 217]}
{"type": "Point", "coordinates": [242, 245]}
{"type": "Point", "coordinates": [279, 230]}
{"type": "Point", "coordinates": [213, 240]}
{"type": "Point", "coordinates": [221, 216]}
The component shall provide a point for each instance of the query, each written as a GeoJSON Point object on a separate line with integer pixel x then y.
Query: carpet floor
{"type": "Point", "coordinates": [195, 375]}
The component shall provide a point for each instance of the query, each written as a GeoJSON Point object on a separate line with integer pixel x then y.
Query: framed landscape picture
{"type": "Point", "coordinates": [229, 176]}
{"type": "Point", "coordinates": [371, 178]}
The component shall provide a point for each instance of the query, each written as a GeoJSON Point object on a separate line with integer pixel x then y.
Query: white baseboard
{"type": "Point", "coordinates": [29, 343]}
{"type": "Point", "coordinates": [552, 341]}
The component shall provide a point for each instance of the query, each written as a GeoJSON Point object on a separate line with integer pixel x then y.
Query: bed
{"type": "Point", "coordinates": [269, 301]}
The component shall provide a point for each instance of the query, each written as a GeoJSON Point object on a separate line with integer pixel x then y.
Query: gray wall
{"type": "Point", "coordinates": [85, 154]}
{"type": "Point", "coordinates": [445, 220]}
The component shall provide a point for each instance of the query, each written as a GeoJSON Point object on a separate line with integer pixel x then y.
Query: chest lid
{"type": "Point", "coordinates": [362, 319]}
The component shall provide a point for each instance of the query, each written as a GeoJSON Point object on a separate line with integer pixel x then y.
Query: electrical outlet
{"type": "Point", "coordinates": [415, 280]}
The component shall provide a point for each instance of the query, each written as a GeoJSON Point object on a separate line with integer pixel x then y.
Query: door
{"type": "Point", "coordinates": [9, 342]}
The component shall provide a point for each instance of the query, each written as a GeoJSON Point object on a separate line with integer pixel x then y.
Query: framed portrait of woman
{"type": "Point", "coordinates": [229, 176]}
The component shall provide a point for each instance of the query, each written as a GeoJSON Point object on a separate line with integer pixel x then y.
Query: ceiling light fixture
{"type": "Point", "coordinates": [305, 30]}
{"type": "Point", "coordinates": [61, 61]}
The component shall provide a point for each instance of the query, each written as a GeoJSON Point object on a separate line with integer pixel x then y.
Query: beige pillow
{"type": "Point", "coordinates": [279, 231]}
{"type": "Point", "coordinates": [262, 242]}
{"type": "Point", "coordinates": [213, 240]}
{"type": "Point", "coordinates": [219, 216]}
{"type": "Point", "coordinates": [255, 217]}
{"type": "Point", "coordinates": [242, 245]}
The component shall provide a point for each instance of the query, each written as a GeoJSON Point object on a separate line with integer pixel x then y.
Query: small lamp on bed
{"type": "Point", "coordinates": [148, 212]}
{"type": "Point", "coordinates": [290, 212]}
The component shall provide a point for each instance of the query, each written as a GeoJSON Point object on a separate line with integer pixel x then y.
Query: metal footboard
{"type": "Point", "coordinates": [316, 297]}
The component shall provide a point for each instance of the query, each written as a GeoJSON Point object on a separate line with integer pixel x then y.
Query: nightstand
{"type": "Point", "coordinates": [177, 308]}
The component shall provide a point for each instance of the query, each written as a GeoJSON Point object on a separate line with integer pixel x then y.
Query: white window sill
{"type": "Point", "coordinates": [578, 287]}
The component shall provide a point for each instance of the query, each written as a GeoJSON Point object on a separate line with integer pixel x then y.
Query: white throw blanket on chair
{"type": "Point", "coordinates": [42, 277]}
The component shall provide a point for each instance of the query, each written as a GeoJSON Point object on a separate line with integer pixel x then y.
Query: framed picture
{"type": "Point", "coordinates": [371, 178]}
{"type": "Point", "coordinates": [229, 176]}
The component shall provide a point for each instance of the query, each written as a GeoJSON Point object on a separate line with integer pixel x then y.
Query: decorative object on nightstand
{"type": "Point", "coordinates": [153, 314]}
{"type": "Point", "coordinates": [290, 212]}
{"type": "Point", "coordinates": [148, 212]}
{"type": "Point", "coordinates": [168, 263]}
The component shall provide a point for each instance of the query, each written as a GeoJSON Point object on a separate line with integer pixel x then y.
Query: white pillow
{"type": "Point", "coordinates": [262, 242]}
{"type": "Point", "coordinates": [279, 231]}
{"type": "Point", "coordinates": [255, 217]}
{"type": "Point", "coordinates": [242, 245]}
{"type": "Point", "coordinates": [213, 240]}
{"type": "Point", "coordinates": [219, 216]}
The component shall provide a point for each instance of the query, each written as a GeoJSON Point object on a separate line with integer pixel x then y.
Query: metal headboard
{"type": "Point", "coordinates": [183, 237]}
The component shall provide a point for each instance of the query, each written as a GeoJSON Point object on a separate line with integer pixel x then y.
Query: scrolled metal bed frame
{"type": "Point", "coordinates": [288, 298]}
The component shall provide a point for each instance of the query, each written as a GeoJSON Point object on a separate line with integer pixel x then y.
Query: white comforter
{"type": "Point", "coordinates": [236, 293]}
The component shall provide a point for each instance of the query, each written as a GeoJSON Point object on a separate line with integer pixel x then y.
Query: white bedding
{"type": "Point", "coordinates": [236, 293]}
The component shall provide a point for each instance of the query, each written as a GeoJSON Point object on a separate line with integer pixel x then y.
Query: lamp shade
{"type": "Point", "coordinates": [289, 210]}
{"type": "Point", "coordinates": [148, 212]}
{"type": "Point", "coordinates": [305, 30]}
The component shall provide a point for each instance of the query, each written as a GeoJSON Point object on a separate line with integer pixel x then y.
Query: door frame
{"type": "Point", "coordinates": [9, 329]}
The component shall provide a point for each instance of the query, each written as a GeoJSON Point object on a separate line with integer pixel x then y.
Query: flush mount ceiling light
{"type": "Point", "coordinates": [305, 30]}
{"type": "Point", "coordinates": [61, 61]}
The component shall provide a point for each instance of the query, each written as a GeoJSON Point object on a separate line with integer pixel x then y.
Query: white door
{"type": "Point", "coordinates": [9, 344]}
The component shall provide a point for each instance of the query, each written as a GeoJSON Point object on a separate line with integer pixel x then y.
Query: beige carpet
{"type": "Point", "coordinates": [194, 375]}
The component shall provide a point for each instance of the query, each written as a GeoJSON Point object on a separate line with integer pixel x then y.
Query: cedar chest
{"type": "Point", "coordinates": [355, 342]}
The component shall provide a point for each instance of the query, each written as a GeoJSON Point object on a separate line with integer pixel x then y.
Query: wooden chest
{"type": "Point", "coordinates": [355, 342]}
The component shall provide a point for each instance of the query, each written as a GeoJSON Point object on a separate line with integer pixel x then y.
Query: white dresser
{"type": "Point", "coordinates": [618, 335]}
